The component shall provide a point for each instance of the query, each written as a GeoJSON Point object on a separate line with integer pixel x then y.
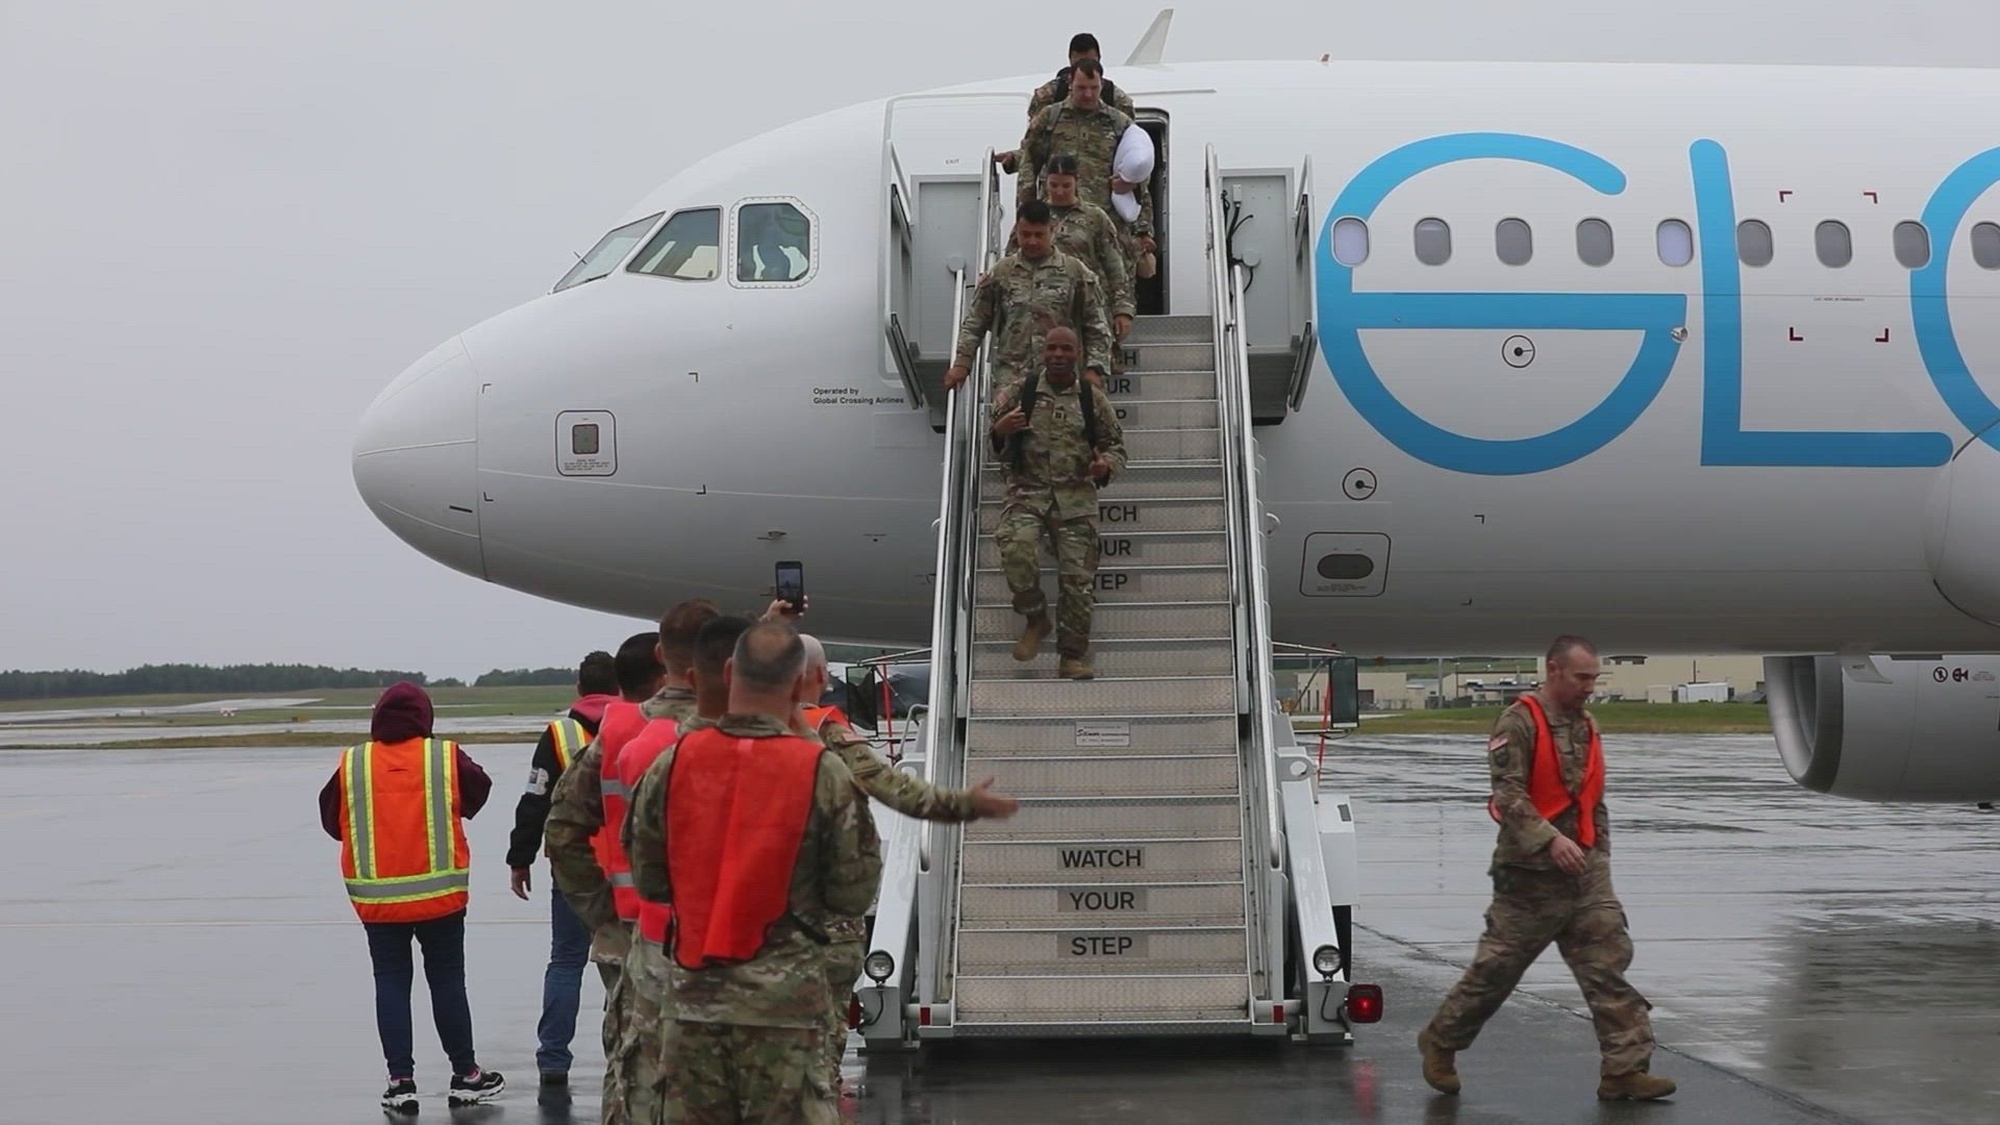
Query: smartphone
{"type": "Point", "coordinates": [791, 584]}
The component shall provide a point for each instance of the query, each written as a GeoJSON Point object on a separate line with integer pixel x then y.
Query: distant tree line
{"type": "Point", "coordinates": [163, 679]}
{"type": "Point", "coordinates": [527, 677]}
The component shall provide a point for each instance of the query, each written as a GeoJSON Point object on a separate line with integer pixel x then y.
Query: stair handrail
{"type": "Point", "coordinates": [958, 494]}
{"type": "Point", "coordinates": [1246, 543]}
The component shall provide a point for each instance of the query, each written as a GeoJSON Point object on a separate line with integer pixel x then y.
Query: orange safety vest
{"type": "Point", "coordinates": [654, 918]}
{"type": "Point", "coordinates": [402, 847]}
{"type": "Point", "coordinates": [738, 809]}
{"type": "Point", "coordinates": [570, 738]}
{"type": "Point", "coordinates": [622, 723]}
{"type": "Point", "coordinates": [816, 717]}
{"type": "Point", "coordinates": [1545, 783]}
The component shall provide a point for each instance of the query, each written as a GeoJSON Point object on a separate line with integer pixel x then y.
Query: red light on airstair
{"type": "Point", "coordinates": [853, 1011]}
{"type": "Point", "coordinates": [1277, 1013]}
{"type": "Point", "coordinates": [924, 1016]}
{"type": "Point", "coordinates": [1364, 1003]}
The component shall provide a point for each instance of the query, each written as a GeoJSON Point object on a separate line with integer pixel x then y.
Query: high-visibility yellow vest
{"type": "Point", "coordinates": [570, 739]}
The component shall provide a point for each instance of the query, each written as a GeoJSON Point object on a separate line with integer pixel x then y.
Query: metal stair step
{"type": "Point", "coordinates": [1168, 414]}
{"type": "Point", "coordinates": [989, 739]}
{"type": "Point", "coordinates": [1093, 952]}
{"type": "Point", "coordinates": [1140, 479]}
{"type": "Point", "coordinates": [1084, 698]}
{"type": "Point", "coordinates": [1132, 820]}
{"type": "Point", "coordinates": [1161, 386]}
{"type": "Point", "coordinates": [1078, 1002]}
{"type": "Point", "coordinates": [1173, 445]}
{"type": "Point", "coordinates": [1185, 328]}
{"type": "Point", "coordinates": [1101, 906]}
{"type": "Point", "coordinates": [1165, 513]}
{"type": "Point", "coordinates": [1128, 620]}
{"type": "Point", "coordinates": [1098, 776]}
{"type": "Point", "coordinates": [1123, 584]}
{"type": "Point", "coordinates": [1143, 548]}
{"type": "Point", "coordinates": [993, 659]}
{"type": "Point", "coordinates": [1036, 863]}
{"type": "Point", "coordinates": [1170, 357]}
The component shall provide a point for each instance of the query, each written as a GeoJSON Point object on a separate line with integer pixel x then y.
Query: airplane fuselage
{"type": "Point", "coordinates": [1682, 447]}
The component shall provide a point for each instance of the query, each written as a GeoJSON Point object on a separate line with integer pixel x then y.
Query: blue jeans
{"type": "Point", "coordinates": [562, 986]}
{"type": "Point", "coordinates": [443, 940]}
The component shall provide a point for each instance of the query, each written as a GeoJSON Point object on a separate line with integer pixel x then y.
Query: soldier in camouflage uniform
{"type": "Point", "coordinates": [1552, 883]}
{"type": "Point", "coordinates": [902, 791]}
{"type": "Point", "coordinates": [631, 1015]}
{"type": "Point", "coordinates": [1088, 129]}
{"type": "Point", "coordinates": [1085, 232]}
{"type": "Point", "coordinates": [1024, 295]}
{"type": "Point", "coordinates": [748, 1041]}
{"type": "Point", "coordinates": [1053, 472]}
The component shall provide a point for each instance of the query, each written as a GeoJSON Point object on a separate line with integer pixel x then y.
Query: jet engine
{"type": "Point", "coordinates": [1881, 728]}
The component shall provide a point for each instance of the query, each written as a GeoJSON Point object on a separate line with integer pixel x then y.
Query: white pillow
{"type": "Point", "coordinates": [1133, 162]}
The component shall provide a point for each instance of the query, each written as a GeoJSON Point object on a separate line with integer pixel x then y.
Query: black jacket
{"type": "Point", "coordinates": [544, 770]}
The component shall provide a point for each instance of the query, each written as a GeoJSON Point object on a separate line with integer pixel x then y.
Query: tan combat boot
{"type": "Point", "coordinates": [1637, 1086]}
{"type": "Point", "coordinates": [1031, 636]}
{"type": "Point", "coordinates": [1075, 668]}
{"type": "Point", "coordinates": [1439, 1070]}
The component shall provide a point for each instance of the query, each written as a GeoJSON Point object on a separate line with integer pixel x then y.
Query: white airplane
{"type": "Point", "coordinates": [1684, 358]}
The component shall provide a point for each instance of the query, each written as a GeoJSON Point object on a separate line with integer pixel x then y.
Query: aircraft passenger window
{"type": "Point", "coordinates": [1833, 243]}
{"type": "Point", "coordinates": [1514, 242]}
{"type": "Point", "coordinates": [1676, 243]}
{"type": "Point", "coordinates": [1593, 242]}
{"type": "Point", "coordinates": [1754, 246]}
{"type": "Point", "coordinates": [689, 247]}
{"type": "Point", "coordinates": [1913, 245]}
{"type": "Point", "coordinates": [773, 242]}
{"type": "Point", "coordinates": [605, 256]}
{"type": "Point", "coordinates": [1433, 242]}
{"type": "Point", "coordinates": [1350, 242]}
{"type": "Point", "coordinates": [1986, 246]}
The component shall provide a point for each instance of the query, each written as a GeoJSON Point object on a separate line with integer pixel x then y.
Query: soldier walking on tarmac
{"type": "Point", "coordinates": [1552, 883]}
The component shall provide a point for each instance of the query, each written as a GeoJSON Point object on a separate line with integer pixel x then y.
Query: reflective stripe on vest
{"type": "Point", "coordinates": [731, 859]}
{"type": "Point", "coordinates": [1545, 780]}
{"type": "Point", "coordinates": [387, 880]}
{"type": "Point", "coordinates": [633, 759]}
{"type": "Point", "coordinates": [570, 739]}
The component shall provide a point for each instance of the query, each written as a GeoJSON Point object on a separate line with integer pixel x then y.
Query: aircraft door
{"type": "Point", "coordinates": [1270, 218]}
{"type": "Point", "coordinates": [934, 231]}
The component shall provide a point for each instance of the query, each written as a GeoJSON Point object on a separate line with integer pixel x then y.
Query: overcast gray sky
{"type": "Point", "coordinates": [227, 224]}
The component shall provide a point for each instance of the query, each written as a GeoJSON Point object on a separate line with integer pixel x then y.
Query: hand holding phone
{"type": "Point", "coordinates": [791, 585]}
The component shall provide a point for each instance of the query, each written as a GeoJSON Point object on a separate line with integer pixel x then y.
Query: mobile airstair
{"type": "Point", "coordinates": [1174, 869]}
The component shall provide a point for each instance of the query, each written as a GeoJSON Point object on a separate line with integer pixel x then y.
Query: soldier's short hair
{"type": "Point", "coordinates": [1087, 67]}
{"type": "Point", "coordinates": [637, 666]}
{"type": "Point", "coordinates": [679, 626]}
{"type": "Point", "coordinates": [597, 675]}
{"type": "Point", "coordinates": [716, 644]}
{"type": "Point", "coordinates": [1034, 211]}
{"type": "Point", "coordinates": [1562, 646]}
{"type": "Point", "coordinates": [769, 655]}
{"type": "Point", "coordinates": [1084, 41]}
{"type": "Point", "coordinates": [1061, 164]}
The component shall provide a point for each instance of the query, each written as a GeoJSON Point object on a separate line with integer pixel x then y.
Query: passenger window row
{"type": "Point", "coordinates": [774, 244]}
{"type": "Point", "coordinates": [1673, 242]}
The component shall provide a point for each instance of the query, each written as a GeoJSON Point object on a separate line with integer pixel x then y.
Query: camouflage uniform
{"type": "Point", "coordinates": [576, 813]}
{"type": "Point", "coordinates": [1085, 232]}
{"type": "Point", "coordinates": [1012, 299]}
{"type": "Point", "coordinates": [1051, 490]}
{"type": "Point", "coordinates": [1535, 903]}
{"type": "Point", "coordinates": [907, 794]}
{"type": "Point", "coordinates": [748, 1039]}
{"type": "Point", "coordinates": [1090, 135]}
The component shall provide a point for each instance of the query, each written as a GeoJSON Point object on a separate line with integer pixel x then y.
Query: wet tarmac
{"type": "Point", "coordinates": [177, 949]}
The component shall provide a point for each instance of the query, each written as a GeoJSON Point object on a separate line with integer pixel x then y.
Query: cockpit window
{"type": "Point", "coordinates": [773, 243]}
{"type": "Point", "coordinates": [689, 247]}
{"type": "Point", "coordinates": [605, 256]}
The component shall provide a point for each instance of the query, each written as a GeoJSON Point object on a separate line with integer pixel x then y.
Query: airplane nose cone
{"type": "Point", "coordinates": [415, 458]}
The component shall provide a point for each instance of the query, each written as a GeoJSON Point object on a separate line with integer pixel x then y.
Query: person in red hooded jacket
{"type": "Point", "coordinates": [395, 804]}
